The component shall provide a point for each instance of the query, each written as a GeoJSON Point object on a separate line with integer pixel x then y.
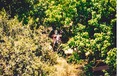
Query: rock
{"type": "Point", "coordinates": [69, 51]}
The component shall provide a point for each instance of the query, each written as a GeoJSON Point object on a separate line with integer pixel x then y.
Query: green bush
{"type": "Point", "coordinates": [93, 36]}
{"type": "Point", "coordinates": [111, 60]}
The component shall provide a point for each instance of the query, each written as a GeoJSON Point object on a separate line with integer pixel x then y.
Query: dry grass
{"type": "Point", "coordinates": [65, 69]}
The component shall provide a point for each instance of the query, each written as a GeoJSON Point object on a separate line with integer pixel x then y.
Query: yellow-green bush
{"type": "Point", "coordinates": [24, 51]}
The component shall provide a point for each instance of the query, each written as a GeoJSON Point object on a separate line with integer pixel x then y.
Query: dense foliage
{"type": "Point", "coordinates": [90, 26]}
{"type": "Point", "coordinates": [22, 50]}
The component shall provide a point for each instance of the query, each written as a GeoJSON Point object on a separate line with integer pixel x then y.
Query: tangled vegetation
{"type": "Point", "coordinates": [24, 51]}
{"type": "Point", "coordinates": [90, 26]}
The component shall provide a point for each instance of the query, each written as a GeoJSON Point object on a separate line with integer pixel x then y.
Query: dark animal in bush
{"type": "Point", "coordinates": [56, 36]}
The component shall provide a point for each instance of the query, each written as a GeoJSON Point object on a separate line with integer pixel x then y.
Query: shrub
{"type": "Point", "coordinates": [24, 51]}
